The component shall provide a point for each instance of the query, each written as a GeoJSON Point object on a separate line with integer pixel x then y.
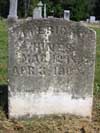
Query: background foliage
{"type": "Point", "coordinates": [80, 9]}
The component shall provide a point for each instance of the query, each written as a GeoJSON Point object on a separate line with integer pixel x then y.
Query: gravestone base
{"type": "Point", "coordinates": [13, 19]}
{"type": "Point", "coordinates": [27, 105]}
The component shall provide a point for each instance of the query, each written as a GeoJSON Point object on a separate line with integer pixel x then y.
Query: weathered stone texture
{"type": "Point", "coordinates": [51, 68]}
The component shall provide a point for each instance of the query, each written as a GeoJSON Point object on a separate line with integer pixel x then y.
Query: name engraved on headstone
{"type": "Point", "coordinates": [41, 30]}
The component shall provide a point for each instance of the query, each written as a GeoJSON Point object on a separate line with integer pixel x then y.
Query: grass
{"type": "Point", "coordinates": [3, 52]}
{"type": "Point", "coordinates": [97, 72]}
{"type": "Point", "coordinates": [97, 66]}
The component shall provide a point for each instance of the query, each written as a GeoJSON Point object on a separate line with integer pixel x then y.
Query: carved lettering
{"type": "Point", "coordinates": [24, 58]}
{"type": "Point", "coordinates": [41, 70]}
{"type": "Point", "coordinates": [15, 70]}
{"type": "Point", "coordinates": [31, 70]}
{"type": "Point", "coordinates": [37, 57]}
{"type": "Point", "coordinates": [23, 70]}
{"type": "Point", "coordinates": [41, 30]}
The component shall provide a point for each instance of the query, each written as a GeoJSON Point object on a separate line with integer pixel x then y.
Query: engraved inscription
{"type": "Point", "coordinates": [36, 53]}
{"type": "Point", "coordinates": [46, 54]}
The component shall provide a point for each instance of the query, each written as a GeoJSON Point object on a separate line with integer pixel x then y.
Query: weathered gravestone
{"type": "Point", "coordinates": [37, 12]}
{"type": "Point", "coordinates": [67, 15]}
{"type": "Point", "coordinates": [13, 10]}
{"type": "Point", "coordinates": [51, 68]}
{"type": "Point", "coordinates": [92, 19]}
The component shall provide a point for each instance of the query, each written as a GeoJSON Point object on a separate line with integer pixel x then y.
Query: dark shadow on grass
{"type": "Point", "coordinates": [4, 98]}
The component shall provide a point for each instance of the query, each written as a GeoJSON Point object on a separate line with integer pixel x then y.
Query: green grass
{"type": "Point", "coordinates": [3, 56]}
{"type": "Point", "coordinates": [97, 67]}
{"type": "Point", "coordinates": [3, 52]}
{"type": "Point", "coordinates": [97, 72]}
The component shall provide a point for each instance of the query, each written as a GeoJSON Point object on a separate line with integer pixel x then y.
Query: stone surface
{"type": "Point", "coordinates": [51, 68]}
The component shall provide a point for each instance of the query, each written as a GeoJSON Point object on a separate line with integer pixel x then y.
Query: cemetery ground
{"type": "Point", "coordinates": [52, 124]}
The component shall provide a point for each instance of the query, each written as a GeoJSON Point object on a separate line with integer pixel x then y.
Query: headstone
{"type": "Point", "coordinates": [87, 20]}
{"type": "Point", "coordinates": [67, 15]}
{"type": "Point", "coordinates": [13, 10]}
{"type": "Point", "coordinates": [92, 19]}
{"type": "Point", "coordinates": [37, 12]}
{"type": "Point", "coordinates": [51, 68]}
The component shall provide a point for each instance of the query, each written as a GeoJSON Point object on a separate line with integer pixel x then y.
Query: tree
{"type": "Point", "coordinates": [4, 8]}
{"type": "Point", "coordinates": [49, 5]}
{"type": "Point", "coordinates": [25, 7]}
{"type": "Point", "coordinates": [21, 10]}
{"type": "Point", "coordinates": [54, 7]}
{"type": "Point", "coordinates": [97, 10]}
{"type": "Point", "coordinates": [91, 6]}
{"type": "Point", "coordinates": [58, 10]}
{"type": "Point", "coordinates": [33, 4]}
{"type": "Point", "coordinates": [80, 9]}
